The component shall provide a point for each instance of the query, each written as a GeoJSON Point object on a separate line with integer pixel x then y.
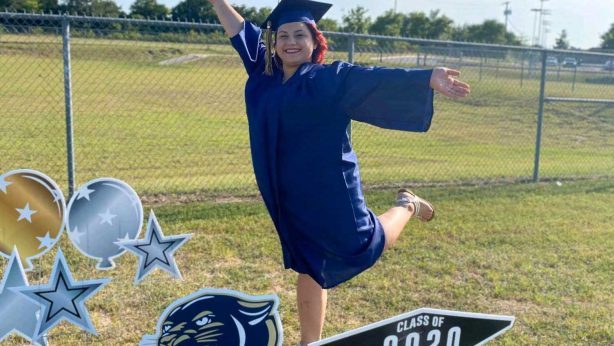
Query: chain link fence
{"type": "Point", "coordinates": [499, 132]}
{"type": "Point", "coordinates": [160, 105]}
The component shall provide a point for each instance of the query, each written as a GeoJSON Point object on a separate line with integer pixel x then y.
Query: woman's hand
{"type": "Point", "coordinates": [443, 81]}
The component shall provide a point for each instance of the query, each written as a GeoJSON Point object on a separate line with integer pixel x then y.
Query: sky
{"type": "Point", "coordinates": [584, 20]}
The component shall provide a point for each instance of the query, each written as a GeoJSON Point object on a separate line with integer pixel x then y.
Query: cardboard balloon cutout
{"type": "Point", "coordinates": [156, 250]}
{"type": "Point", "coordinates": [219, 317]}
{"type": "Point", "coordinates": [101, 213]}
{"type": "Point", "coordinates": [424, 327]}
{"type": "Point", "coordinates": [62, 298]}
{"type": "Point", "coordinates": [19, 314]}
{"type": "Point", "coordinates": [32, 210]}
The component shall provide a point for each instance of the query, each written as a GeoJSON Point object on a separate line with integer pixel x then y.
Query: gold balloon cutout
{"type": "Point", "coordinates": [31, 214]}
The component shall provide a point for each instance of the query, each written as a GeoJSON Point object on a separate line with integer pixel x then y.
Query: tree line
{"type": "Point", "coordinates": [433, 25]}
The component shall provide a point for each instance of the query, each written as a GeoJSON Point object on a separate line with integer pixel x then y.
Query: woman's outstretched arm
{"type": "Point", "coordinates": [231, 20]}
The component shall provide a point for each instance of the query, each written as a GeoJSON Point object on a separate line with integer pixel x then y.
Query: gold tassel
{"type": "Point", "coordinates": [268, 42]}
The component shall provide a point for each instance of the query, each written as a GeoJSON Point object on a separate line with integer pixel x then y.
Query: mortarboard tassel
{"type": "Point", "coordinates": [268, 68]}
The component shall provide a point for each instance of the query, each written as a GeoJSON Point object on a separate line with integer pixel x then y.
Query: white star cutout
{"type": "Point", "coordinates": [46, 241]}
{"type": "Point", "coordinates": [4, 184]}
{"type": "Point", "coordinates": [76, 235]}
{"type": "Point", "coordinates": [106, 217]}
{"type": "Point", "coordinates": [26, 213]}
{"type": "Point", "coordinates": [84, 192]}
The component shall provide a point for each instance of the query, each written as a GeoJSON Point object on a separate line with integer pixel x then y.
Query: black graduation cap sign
{"type": "Point", "coordinates": [423, 327]}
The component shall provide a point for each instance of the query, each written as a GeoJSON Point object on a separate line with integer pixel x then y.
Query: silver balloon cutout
{"type": "Point", "coordinates": [100, 213]}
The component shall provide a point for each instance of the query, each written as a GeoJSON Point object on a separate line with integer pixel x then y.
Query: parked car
{"type": "Point", "coordinates": [609, 65]}
{"type": "Point", "coordinates": [570, 62]}
{"type": "Point", "coordinates": [552, 61]}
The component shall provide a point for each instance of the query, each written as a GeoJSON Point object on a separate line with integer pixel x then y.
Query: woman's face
{"type": "Point", "coordinates": [294, 44]}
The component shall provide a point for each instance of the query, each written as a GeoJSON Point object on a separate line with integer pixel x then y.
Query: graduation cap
{"type": "Point", "coordinates": [290, 11]}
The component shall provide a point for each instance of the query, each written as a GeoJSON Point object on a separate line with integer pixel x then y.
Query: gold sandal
{"type": "Point", "coordinates": [405, 197]}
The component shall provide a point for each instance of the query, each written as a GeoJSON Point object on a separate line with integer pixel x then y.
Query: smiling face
{"type": "Point", "coordinates": [294, 44]}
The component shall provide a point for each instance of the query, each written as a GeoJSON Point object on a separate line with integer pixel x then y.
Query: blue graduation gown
{"type": "Point", "coordinates": [305, 167]}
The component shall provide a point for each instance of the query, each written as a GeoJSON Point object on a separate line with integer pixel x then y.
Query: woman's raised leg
{"type": "Point", "coordinates": [395, 219]}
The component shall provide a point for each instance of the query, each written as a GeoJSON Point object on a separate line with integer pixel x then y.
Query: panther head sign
{"type": "Point", "coordinates": [219, 317]}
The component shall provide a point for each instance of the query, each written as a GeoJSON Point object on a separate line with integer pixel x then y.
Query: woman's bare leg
{"type": "Point", "coordinates": [311, 300]}
{"type": "Point", "coordinates": [394, 220]}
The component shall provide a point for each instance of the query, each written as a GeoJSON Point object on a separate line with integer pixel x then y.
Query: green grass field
{"type": "Point", "coordinates": [541, 252]}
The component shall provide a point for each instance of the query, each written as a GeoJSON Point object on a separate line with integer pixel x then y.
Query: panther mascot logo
{"type": "Point", "coordinates": [214, 317]}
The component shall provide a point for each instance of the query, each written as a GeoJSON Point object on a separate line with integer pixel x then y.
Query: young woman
{"type": "Point", "coordinates": [298, 111]}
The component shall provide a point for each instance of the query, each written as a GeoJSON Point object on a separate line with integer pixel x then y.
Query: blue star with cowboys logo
{"type": "Point", "coordinates": [63, 298]}
{"type": "Point", "coordinates": [156, 250]}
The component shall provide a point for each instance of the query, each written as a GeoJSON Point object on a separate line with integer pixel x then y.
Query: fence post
{"type": "Point", "coordinates": [351, 49]}
{"type": "Point", "coordinates": [418, 56]}
{"type": "Point", "coordinates": [522, 70]}
{"type": "Point", "coordinates": [351, 61]}
{"type": "Point", "coordinates": [68, 105]}
{"type": "Point", "coordinates": [540, 118]}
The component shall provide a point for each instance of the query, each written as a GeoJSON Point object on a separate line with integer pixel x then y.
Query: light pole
{"type": "Point", "coordinates": [533, 38]}
{"type": "Point", "coordinates": [507, 12]}
{"type": "Point", "coordinates": [546, 30]}
{"type": "Point", "coordinates": [542, 12]}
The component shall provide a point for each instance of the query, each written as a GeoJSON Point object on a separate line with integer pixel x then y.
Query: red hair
{"type": "Point", "coordinates": [320, 42]}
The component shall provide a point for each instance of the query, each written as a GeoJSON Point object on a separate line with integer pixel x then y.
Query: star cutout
{"type": "Point", "coordinates": [84, 192]}
{"type": "Point", "coordinates": [156, 250]}
{"type": "Point", "coordinates": [24, 313]}
{"type": "Point", "coordinates": [63, 298]}
{"type": "Point", "coordinates": [46, 241]}
{"type": "Point", "coordinates": [106, 217]}
{"type": "Point", "coordinates": [4, 184]}
{"type": "Point", "coordinates": [26, 213]}
{"type": "Point", "coordinates": [75, 235]}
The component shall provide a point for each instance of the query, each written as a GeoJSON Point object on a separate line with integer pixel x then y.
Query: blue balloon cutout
{"type": "Point", "coordinates": [101, 213]}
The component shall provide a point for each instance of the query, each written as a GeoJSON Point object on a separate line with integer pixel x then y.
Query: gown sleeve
{"type": "Point", "coordinates": [391, 98]}
{"type": "Point", "coordinates": [250, 48]}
